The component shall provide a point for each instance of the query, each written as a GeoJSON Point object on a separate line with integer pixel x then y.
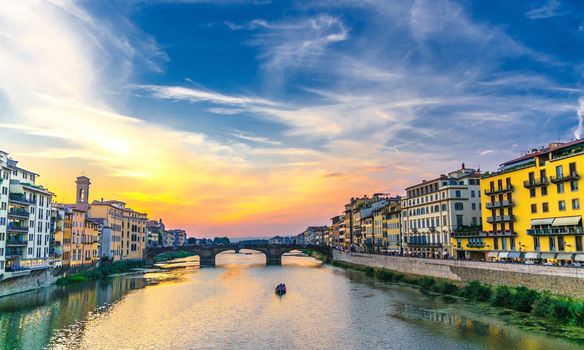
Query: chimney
{"type": "Point", "coordinates": [463, 166]}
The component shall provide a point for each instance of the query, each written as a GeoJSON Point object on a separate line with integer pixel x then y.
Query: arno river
{"type": "Point", "coordinates": [234, 306]}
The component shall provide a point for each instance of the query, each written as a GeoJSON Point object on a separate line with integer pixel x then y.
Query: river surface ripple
{"type": "Point", "coordinates": [233, 306]}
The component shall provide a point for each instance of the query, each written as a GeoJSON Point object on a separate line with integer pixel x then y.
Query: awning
{"type": "Point", "coordinates": [579, 257]}
{"type": "Point", "coordinates": [565, 256]}
{"type": "Point", "coordinates": [514, 255]}
{"type": "Point", "coordinates": [541, 222]}
{"type": "Point", "coordinates": [444, 253]}
{"type": "Point", "coordinates": [567, 221]}
{"type": "Point", "coordinates": [532, 256]}
{"type": "Point", "coordinates": [548, 255]}
{"type": "Point", "coordinates": [503, 255]}
{"type": "Point", "coordinates": [492, 254]}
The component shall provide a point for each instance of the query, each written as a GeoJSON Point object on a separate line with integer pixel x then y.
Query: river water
{"type": "Point", "coordinates": [233, 306]}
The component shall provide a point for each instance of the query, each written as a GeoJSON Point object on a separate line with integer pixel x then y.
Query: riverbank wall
{"type": "Point", "coordinates": [559, 280]}
{"type": "Point", "coordinates": [36, 279]}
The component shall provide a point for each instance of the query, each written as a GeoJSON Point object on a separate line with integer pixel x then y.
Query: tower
{"type": "Point", "coordinates": [82, 192]}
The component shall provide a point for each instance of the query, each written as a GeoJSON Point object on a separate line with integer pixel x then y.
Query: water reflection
{"type": "Point", "coordinates": [233, 306]}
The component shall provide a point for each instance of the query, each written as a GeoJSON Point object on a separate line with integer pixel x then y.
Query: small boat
{"type": "Point", "coordinates": [281, 289]}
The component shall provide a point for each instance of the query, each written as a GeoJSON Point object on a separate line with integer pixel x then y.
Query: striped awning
{"type": "Point", "coordinates": [565, 256]}
{"type": "Point", "coordinates": [541, 222]}
{"type": "Point", "coordinates": [579, 257]}
{"type": "Point", "coordinates": [567, 221]}
{"type": "Point", "coordinates": [533, 255]}
{"type": "Point", "coordinates": [492, 254]}
{"type": "Point", "coordinates": [548, 255]}
{"type": "Point", "coordinates": [514, 255]}
{"type": "Point", "coordinates": [503, 255]}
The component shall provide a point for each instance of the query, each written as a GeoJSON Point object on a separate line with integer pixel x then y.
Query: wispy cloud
{"type": "Point", "coordinates": [550, 9]}
{"type": "Point", "coordinates": [580, 112]}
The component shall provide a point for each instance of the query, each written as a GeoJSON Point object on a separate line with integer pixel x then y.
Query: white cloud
{"type": "Point", "coordinates": [580, 112]}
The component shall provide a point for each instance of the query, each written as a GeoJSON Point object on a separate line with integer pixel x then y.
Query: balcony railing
{"type": "Point", "coordinates": [499, 190]}
{"type": "Point", "coordinates": [476, 244]}
{"type": "Point", "coordinates": [16, 242]}
{"type": "Point", "coordinates": [425, 244]}
{"type": "Point", "coordinates": [503, 204]}
{"type": "Point", "coordinates": [563, 178]}
{"type": "Point", "coordinates": [556, 231]}
{"type": "Point", "coordinates": [498, 219]}
{"type": "Point", "coordinates": [535, 182]}
{"type": "Point", "coordinates": [12, 227]}
{"type": "Point", "coordinates": [19, 198]}
{"type": "Point", "coordinates": [20, 213]}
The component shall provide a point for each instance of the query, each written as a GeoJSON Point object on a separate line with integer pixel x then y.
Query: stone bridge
{"type": "Point", "coordinates": [207, 254]}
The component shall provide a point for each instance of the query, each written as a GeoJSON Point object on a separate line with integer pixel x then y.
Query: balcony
{"type": "Point", "coordinates": [503, 204]}
{"type": "Point", "coordinates": [535, 182]}
{"type": "Point", "coordinates": [16, 242]}
{"type": "Point", "coordinates": [577, 230]}
{"type": "Point", "coordinates": [18, 213]}
{"type": "Point", "coordinates": [19, 198]}
{"type": "Point", "coordinates": [499, 190]}
{"type": "Point", "coordinates": [425, 244]}
{"type": "Point", "coordinates": [500, 219]}
{"type": "Point", "coordinates": [563, 178]}
{"type": "Point", "coordinates": [13, 227]}
{"type": "Point", "coordinates": [476, 244]}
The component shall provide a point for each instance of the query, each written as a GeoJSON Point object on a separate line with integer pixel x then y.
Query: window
{"type": "Point", "coordinates": [457, 194]}
{"type": "Point", "coordinates": [574, 186]}
{"type": "Point", "coordinates": [474, 221]}
{"type": "Point", "coordinates": [512, 242]}
{"type": "Point", "coordinates": [545, 207]}
{"type": "Point", "coordinates": [578, 243]}
{"type": "Point", "coordinates": [532, 192]}
{"type": "Point", "coordinates": [504, 243]}
{"type": "Point", "coordinates": [575, 204]}
{"type": "Point", "coordinates": [459, 221]}
{"type": "Point", "coordinates": [552, 240]}
{"type": "Point", "coordinates": [472, 194]}
{"type": "Point", "coordinates": [473, 206]}
{"type": "Point", "coordinates": [458, 206]}
{"type": "Point", "coordinates": [560, 187]}
{"type": "Point", "coordinates": [573, 169]}
{"type": "Point", "coordinates": [561, 243]}
{"type": "Point", "coordinates": [562, 205]}
{"type": "Point", "coordinates": [559, 172]}
{"type": "Point", "coordinates": [496, 243]}
{"type": "Point", "coordinates": [544, 190]}
{"type": "Point", "coordinates": [534, 208]}
{"type": "Point", "coordinates": [536, 243]}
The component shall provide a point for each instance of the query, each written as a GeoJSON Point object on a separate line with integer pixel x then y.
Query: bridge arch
{"type": "Point", "coordinates": [207, 254]}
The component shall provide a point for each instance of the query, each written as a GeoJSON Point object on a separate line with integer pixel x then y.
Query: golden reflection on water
{"type": "Point", "coordinates": [233, 306]}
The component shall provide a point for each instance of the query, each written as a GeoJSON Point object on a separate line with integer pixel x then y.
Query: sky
{"type": "Point", "coordinates": [257, 118]}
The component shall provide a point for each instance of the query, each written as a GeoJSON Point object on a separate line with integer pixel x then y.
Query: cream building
{"type": "Point", "coordinates": [433, 210]}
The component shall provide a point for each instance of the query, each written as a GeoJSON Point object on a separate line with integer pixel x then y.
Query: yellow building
{"type": "Point", "coordinates": [77, 236]}
{"type": "Point", "coordinates": [531, 208]}
{"type": "Point", "coordinates": [90, 242]}
{"type": "Point", "coordinates": [128, 228]}
{"type": "Point", "coordinates": [392, 226]}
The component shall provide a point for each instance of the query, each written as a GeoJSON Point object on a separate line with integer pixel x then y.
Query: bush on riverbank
{"type": "Point", "coordinates": [172, 255]}
{"type": "Point", "coordinates": [560, 309]}
{"type": "Point", "coordinates": [100, 272]}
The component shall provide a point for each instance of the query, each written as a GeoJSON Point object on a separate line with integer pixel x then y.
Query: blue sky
{"type": "Point", "coordinates": [264, 116]}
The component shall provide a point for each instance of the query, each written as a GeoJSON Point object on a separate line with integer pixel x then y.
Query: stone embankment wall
{"type": "Point", "coordinates": [36, 279]}
{"type": "Point", "coordinates": [560, 280]}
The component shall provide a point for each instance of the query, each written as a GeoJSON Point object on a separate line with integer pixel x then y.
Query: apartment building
{"type": "Point", "coordinates": [434, 209]}
{"type": "Point", "coordinates": [532, 208]}
{"type": "Point", "coordinates": [25, 220]}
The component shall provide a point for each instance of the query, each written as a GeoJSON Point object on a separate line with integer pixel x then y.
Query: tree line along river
{"type": "Point", "coordinates": [233, 306]}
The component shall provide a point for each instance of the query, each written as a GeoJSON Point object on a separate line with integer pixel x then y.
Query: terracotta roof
{"type": "Point", "coordinates": [552, 147]}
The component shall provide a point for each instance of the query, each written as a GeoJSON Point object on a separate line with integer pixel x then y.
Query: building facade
{"type": "Point", "coordinates": [532, 208]}
{"type": "Point", "coordinates": [433, 210]}
{"type": "Point", "coordinates": [25, 220]}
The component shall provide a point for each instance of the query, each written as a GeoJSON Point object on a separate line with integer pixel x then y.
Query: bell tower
{"type": "Point", "coordinates": [82, 192]}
